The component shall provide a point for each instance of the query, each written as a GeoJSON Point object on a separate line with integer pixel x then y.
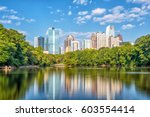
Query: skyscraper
{"type": "Point", "coordinates": [102, 41]}
{"type": "Point", "coordinates": [110, 31]}
{"type": "Point", "coordinates": [94, 41]}
{"type": "Point", "coordinates": [39, 42]}
{"type": "Point", "coordinates": [75, 45]}
{"type": "Point", "coordinates": [52, 41]}
{"type": "Point", "coordinates": [67, 43]}
{"type": "Point", "coordinates": [87, 44]}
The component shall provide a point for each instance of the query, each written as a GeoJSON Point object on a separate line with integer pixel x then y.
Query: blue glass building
{"type": "Point", "coordinates": [52, 41]}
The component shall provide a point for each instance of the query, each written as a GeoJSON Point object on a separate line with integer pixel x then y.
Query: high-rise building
{"type": "Point", "coordinates": [110, 31]}
{"type": "Point", "coordinates": [102, 41]}
{"type": "Point", "coordinates": [114, 41]}
{"type": "Point", "coordinates": [67, 43]}
{"type": "Point", "coordinates": [87, 44]}
{"type": "Point", "coordinates": [75, 45]}
{"type": "Point", "coordinates": [61, 50]}
{"type": "Point", "coordinates": [52, 41]}
{"type": "Point", "coordinates": [120, 39]}
{"type": "Point", "coordinates": [94, 41]}
{"type": "Point", "coordinates": [39, 42]}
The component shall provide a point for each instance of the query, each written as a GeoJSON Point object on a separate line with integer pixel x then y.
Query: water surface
{"type": "Point", "coordinates": [75, 84]}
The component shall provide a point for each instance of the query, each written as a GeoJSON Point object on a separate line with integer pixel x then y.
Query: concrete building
{"type": "Point", "coordinates": [68, 42]}
{"type": "Point", "coordinates": [102, 41]}
{"type": "Point", "coordinates": [75, 45]}
{"type": "Point", "coordinates": [114, 42]}
{"type": "Point", "coordinates": [94, 41]}
{"type": "Point", "coordinates": [86, 44]}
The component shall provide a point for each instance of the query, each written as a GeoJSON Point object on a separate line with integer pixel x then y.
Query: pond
{"type": "Point", "coordinates": [82, 83]}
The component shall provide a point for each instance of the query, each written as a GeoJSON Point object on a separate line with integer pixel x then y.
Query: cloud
{"type": "Point", "coordinates": [3, 8]}
{"type": "Point", "coordinates": [30, 20]}
{"type": "Point", "coordinates": [82, 2]}
{"type": "Point", "coordinates": [5, 21]}
{"type": "Point", "coordinates": [119, 15]}
{"type": "Point", "coordinates": [139, 1]}
{"type": "Point", "coordinates": [82, 12]}
{"type": "Point", "coordinates": [69, 13]}
{"type": "Point", "coordinates": [22, 32]}
{"type": "Point", "coordinates": [142, 23]}
{"type": "Point", "coordinates": [117, 9]}
{"type": "Point", "coordinates": [13, 17]}
{"type": "Point", "coordinates": [127, 26]}
{"type": "Point", "coordinates": [18, 23]}
{"type": "Point", "coordinates": [58, 10]}
{"type": "Point", "coordinates": [98, 11]}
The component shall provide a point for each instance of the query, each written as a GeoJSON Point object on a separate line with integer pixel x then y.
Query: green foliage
{"type": "Point", "coordinates": [15, 51]}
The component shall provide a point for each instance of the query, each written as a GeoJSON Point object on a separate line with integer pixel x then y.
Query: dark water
{"type": "Point", "coordinates": [75, 84]}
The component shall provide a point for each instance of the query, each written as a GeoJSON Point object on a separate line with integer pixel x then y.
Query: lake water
{"type": "Point", "coordinates": [75, 84]}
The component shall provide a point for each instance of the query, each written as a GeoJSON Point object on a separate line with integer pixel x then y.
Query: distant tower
{"type": "Point", "coordinates": [101, 40]}
{"type": "Point", "coordinates": [120, 39]}
{"type": "Point", "coordinates": [39, 42]}
{"type": "Point", "coordinates": [110, 31]}
{"type": "Point", "coordinates": [52, 41]}
{"type": "Point", "coordinates": [75, 45]}
{"type": "Point", "coordinates": [68, 42]}
{"type": "Point", "coordinates": [87, 44]}
{"type": "Point", "coordinates": [94, 41]}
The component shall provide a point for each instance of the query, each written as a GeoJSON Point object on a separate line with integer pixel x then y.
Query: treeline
{"type": "Point", "coordinates": [16, 51]}
{"type": "Point", "coordinates": [125, 55]}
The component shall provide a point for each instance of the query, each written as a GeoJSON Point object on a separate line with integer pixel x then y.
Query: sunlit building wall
{"type": "Point", "coordinates": [86, 44]}
{"type": "Point", "coordinates": [75, 45]}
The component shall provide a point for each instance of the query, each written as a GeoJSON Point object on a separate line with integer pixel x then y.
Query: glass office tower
{"type": "Point", "coordinates": [52, 41]}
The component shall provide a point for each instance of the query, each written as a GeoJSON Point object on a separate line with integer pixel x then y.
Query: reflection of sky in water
{"type": "Point", "coordinates": [137, 72]}
{"type": "Point", "coordinates": [58, 85]}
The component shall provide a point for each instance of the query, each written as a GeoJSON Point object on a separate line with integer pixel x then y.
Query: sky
{"type": "Point", "coordinates": [80, 18]}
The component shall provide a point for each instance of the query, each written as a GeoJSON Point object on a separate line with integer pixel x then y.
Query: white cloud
{"type": "Point", "coordinates": [82, 12]}
{"type": "Point", "coordinates": [56, 21]}
{"type": "Point", "coordinates": [13, 17]}
{"type": "Point", "coordinates": [142, 23]}
{"type": "Point", "coordinates": [30, 20]}
{"type": "Point", "coordinates": [82, 2]}
{"type": "Point", "coordinates": [3, 8]}
{"type": "Point", "coordinates": [18, 23]}
{"type": "Point", "coordinates": [98, 11]}
{"type": "Point", "coordinates": [58, 10]}
{"type": "Point", "coordinates": [117, 9]}
{"type": "Point", "coordinates": [135, 10]}
{"type": "Point", "coordinates": [23, 32]}
{"type": "Point", "coordinates": [12, 11]}
{"type": "Point", "coordinates": [127, 26]}
{"type": "Point", "coordinates": [69, 13]}
{"type": "Point", "coordinates": [139, 1]}
{"type": "Point", "coordinates": [5, 21]}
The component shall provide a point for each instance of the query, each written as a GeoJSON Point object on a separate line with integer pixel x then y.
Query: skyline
{"type": "Point", "coordinates": [34, 17]}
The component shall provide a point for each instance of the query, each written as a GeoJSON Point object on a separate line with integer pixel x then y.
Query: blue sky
{"type": "Point", "coordinates": [77, 17]}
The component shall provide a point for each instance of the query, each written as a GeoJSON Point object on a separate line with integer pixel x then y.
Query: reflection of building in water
{"type": "Point", "coordinates": [100, 87]}
{"type": "Point", "coordinates": [108, 88]}
{"type": "Point", "coordinates": [35, 87]}
{"type": "Point", "coordinates": [57, 83]}
{"type": "Point", "coordinates": [72, 84]}
{"type": "Point", "coordinates": [52, 84]}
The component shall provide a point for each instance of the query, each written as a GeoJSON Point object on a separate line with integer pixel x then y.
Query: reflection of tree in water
{"type": "Point", "coordinates": [14, 84]}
